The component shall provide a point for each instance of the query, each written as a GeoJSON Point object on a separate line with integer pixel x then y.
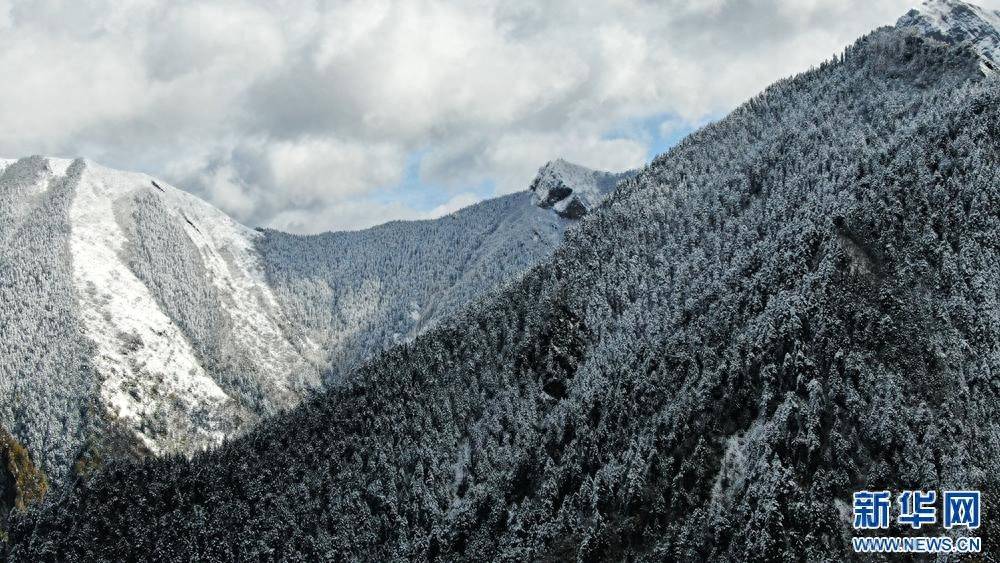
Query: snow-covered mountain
{"type": "Point", "coordinates": [793, 304]}
{"type": "Point", "coordinates": [133, 312]}
{"type": "Point", "coordinates": [957, 22]}
{"type": "Point", "coordinates": [178, 339]}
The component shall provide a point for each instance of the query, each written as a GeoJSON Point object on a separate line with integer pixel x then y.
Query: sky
{"type": "Point", "coordinates": [332, 115]}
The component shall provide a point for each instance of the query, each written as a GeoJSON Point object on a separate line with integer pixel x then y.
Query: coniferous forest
{"type": "Point", "coordinates": [794, 303]}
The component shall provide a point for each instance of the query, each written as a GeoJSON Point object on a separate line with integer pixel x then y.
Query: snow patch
{"type": "Point", "coordinates": [732, 470]}
{"type": "Point", "coordinates": [228, 252]}
{"type": "Point", "coordinates": [152, 380]}
{"type": "Point", "coordinates": [59, 166]}
{"type": "Point", "coordinates": [148, 370]}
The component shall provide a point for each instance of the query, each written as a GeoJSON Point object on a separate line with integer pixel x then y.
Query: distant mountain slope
{"type": "Point", "coordinates": [161, 324]}
{"type": "Point", "coordinates": [795, 303]}
{"type": "Point", "coordinates": [135, 317]}
{"type": "Point", "coordinates": [357, 292]}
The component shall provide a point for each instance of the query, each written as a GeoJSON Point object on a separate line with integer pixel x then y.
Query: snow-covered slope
{"type": "Point", "coordinates": [98, 267]}
{"type": "Point", "coordinates": [954, 21]}
{"type": "Point", "coordinates": [133, 311]}
{"type": "Point", "coordinates": [153, 377]}
{"type": "Point", "coordinates": [572, 190]}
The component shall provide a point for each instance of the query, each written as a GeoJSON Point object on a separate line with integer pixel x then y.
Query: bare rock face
{"type": "Point", "coordinates": [572, 190]}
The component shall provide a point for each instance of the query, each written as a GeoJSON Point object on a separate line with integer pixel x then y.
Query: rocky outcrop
{"type": "Point", "coordinates": [959, 23]}
{"type": "Point", "coordinates": [572, 190]}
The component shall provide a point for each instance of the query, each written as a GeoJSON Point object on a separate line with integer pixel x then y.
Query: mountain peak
{"type": "Point", "coordinates": [957, 22]}
{"type": "Point", "coordinates": [572, 190]}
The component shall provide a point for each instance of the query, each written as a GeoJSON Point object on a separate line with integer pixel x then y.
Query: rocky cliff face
{"type": "Point", "coordinates": [570, 190]}
{"type": "Point", "coordinates": [957, 22]}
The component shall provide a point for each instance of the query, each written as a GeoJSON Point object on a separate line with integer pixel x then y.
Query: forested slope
{"type": "Point", "coordinates": [46, 389]}
{"type": "Point", "coordinates": [795, 303]}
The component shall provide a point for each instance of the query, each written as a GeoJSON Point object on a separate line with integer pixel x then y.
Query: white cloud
{"type": "Point", "coordinates": [5, 22]}
{"type": "Point", "coordinates": [314, 170]}
{"type": "Point", "coordinates": [214, 39]}
{"type": "Point", "coordinates": [53, 89]}
{"type": "Point", "coordinates": [513, 159]}
{"type": "Point", "coordinates": [348, 215]}
{"type": "Point", "coordinates": [224, 186]}
{"type": "Point", "coordinates": [457, 202]}
{"type": "Point", "coordinates": [293, 114]}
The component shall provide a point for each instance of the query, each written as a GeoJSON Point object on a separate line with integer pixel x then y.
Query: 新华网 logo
{"type": "Point", "coordinates": [953, 509]}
